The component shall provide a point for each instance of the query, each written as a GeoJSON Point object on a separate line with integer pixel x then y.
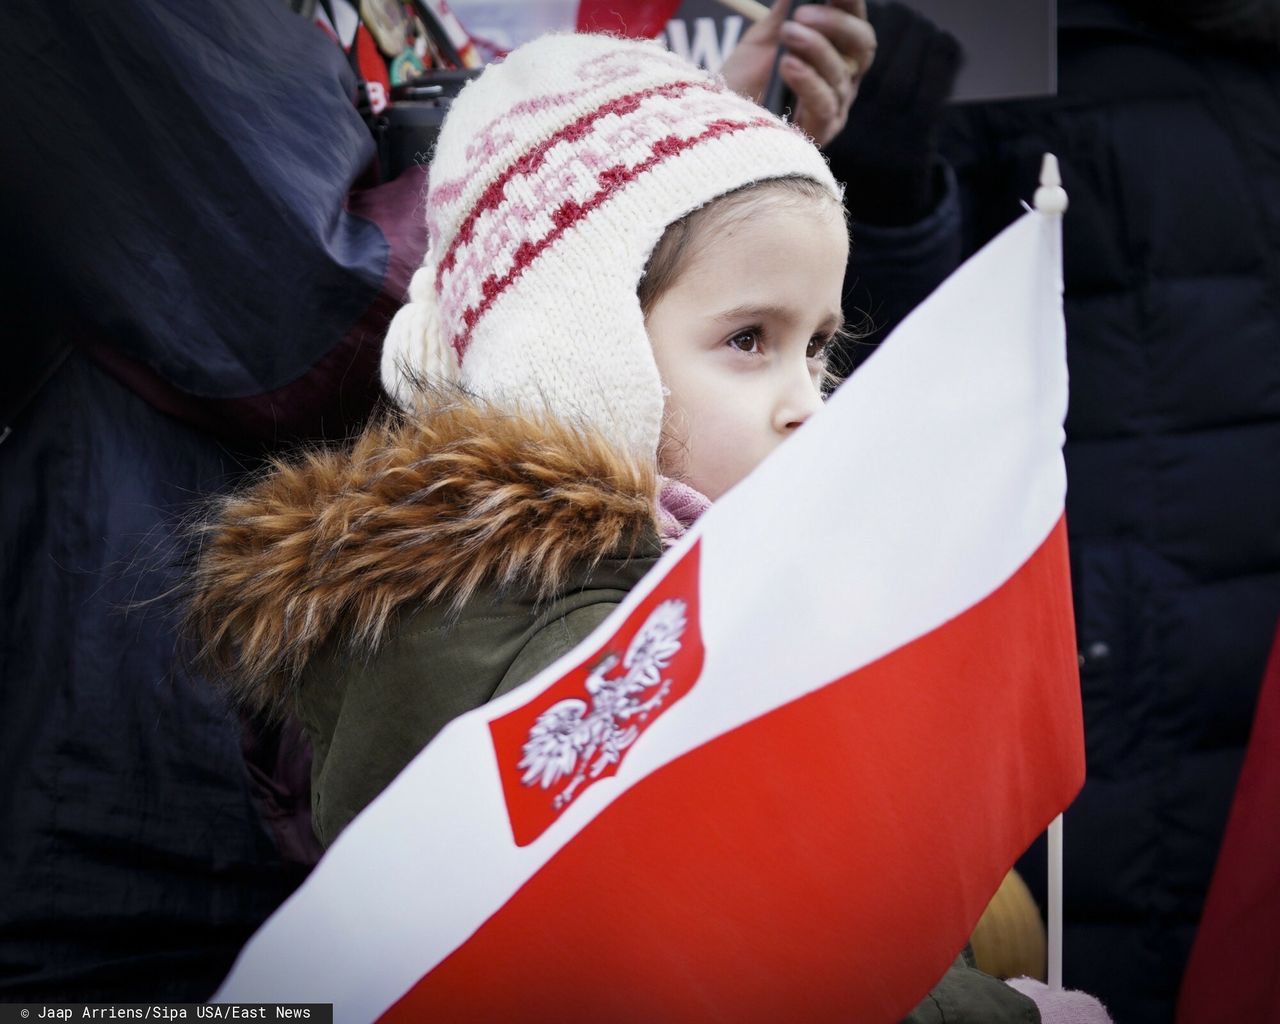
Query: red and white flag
{"type": "Point", "coordinates": [511, 23]}
{"type": "Point", "coordinates": [784, 778]}
{"type": "Point", "coordinates": [640, 19]}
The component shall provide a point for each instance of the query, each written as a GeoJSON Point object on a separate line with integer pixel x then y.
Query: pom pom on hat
{"type": "Point", "coordinates": [555, 174]}
{"type": "Point", "coordinates": [414, 348]}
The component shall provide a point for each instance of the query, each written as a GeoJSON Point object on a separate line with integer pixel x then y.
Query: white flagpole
{"type": "Point", "coordinates": [1051, 198]}
{"type": "Point", "coordinates": [1055, 904]}
{"type": "Point", "coordinates": [752, 10]}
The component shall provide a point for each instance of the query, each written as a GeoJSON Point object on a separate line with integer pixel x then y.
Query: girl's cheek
{"type": "Point", "coordinates": [671, 451]}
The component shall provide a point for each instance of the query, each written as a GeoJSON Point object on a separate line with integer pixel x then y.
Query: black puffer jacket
{"type": "Point", "coordinates": [1170, 154]}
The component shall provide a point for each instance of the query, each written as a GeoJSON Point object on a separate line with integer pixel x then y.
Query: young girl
{"type": "Point", "coordinates": [632, 281]}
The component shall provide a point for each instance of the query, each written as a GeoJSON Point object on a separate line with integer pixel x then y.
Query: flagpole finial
{"type": "Point", "coordinates": [1050, 197]}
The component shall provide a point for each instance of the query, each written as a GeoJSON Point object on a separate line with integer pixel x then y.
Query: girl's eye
{"type": "Point", "coordinates": [818, 347]}
{"type": "Point", "coordinates": [745, 341]}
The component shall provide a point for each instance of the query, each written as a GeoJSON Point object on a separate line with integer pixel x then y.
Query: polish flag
{"type": "Point", "coordinates": [640, 19]}
{"type": "Point", "coordinates": [513, 23]}
{"type": "Point", "coordinates": [783, 779]}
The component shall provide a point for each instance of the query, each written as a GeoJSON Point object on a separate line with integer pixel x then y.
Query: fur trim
{"type": "Point", "coordinates": [424, 507]}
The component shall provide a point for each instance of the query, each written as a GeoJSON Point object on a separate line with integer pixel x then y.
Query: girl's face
{"type": "Point", "coordinates": [740, 337]}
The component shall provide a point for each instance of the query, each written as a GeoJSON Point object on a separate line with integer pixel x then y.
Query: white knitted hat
{"type": "Point", "coordinates": [555, 174]}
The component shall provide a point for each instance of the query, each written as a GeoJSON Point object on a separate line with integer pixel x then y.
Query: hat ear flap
{"type": "Point", "coordinates": [414, 351]}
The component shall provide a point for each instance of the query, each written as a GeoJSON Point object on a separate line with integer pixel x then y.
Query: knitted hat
{"type": "Point", "coordinates": [555, 174]}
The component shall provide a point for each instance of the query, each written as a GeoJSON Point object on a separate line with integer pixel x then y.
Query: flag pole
{"type": "Point", "coordinates": [752, 10]}
{"type": "Point", "coordinates": [1055, 904]}
{"type": "Point", "coordinates": [1051, 199]}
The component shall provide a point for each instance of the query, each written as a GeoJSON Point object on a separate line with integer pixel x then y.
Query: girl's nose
{"type": "Point", "coordinates": [801, 400]}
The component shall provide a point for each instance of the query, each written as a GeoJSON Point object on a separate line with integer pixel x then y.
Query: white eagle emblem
{"type": "Point", "coordinates": [569, 740]}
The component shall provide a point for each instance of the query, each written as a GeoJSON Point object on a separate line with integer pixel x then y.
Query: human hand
{"type": "Point", "coordinates": [1061, 1006]}
{"type": "Point", "coordinates": [829, 48]}
{"type": "Point", "coordinates": [886, 155]}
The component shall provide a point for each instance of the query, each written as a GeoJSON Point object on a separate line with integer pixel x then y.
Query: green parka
{"type": "Point", "coordinates": [379, 591]}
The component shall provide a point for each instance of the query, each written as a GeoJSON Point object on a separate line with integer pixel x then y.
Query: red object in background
{"type": "Point", "coordinates": [1234, 971]}
{"type": "Point", "coordinates": [639, 19]}
{"type": "Point", "coordinates": [373, 69]}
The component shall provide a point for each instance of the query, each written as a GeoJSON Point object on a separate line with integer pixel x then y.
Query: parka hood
{"type": "Point", "coordinates": [423, 507]}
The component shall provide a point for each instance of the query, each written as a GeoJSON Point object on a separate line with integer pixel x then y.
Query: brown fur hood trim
{"type": "Point", "coordinates": [422, 508]}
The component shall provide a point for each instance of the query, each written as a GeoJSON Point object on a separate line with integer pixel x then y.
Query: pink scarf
{"type": "Point", "coordinates": [679, 507]}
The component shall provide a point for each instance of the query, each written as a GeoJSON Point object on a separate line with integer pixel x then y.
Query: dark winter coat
{"type": "Point", "coordinates": [191, 277]}
{"type": "Point", "coordinates": [382, 591]}
{"type": "Point", "coordinates": [1169, 152]}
